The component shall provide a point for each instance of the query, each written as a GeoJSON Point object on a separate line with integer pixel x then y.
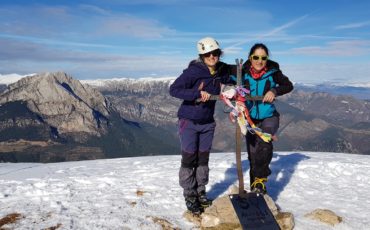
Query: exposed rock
{"type": "Point", "coordinates": [165, 224]}
{"type": "Point", "coordinates": [285, 220]}
{"type": "Point", "coordinates": [2, 87]}
{"type": "Point", "coordinates": [75, 121]}
{"type": "Point", "coordinates": [62, 102]}
{"type": "Point", "coordinates": [325, 216]}
{"type": "Point", "coordinates": [271, 204]}
{"type": "Point", "coordinates": [221, 215]}
{"type": "Point", "coordinates": [233, 189]}
{"type": "Point", "coordinates": [21, 144]}
{"type": "Point", "coordinates": [9, 219]}
{"type": "Point", "coordinates": [196, 219]}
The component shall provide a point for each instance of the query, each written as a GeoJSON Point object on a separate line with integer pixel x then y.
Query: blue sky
{"type": "Point", "coordinates": [314, 41]}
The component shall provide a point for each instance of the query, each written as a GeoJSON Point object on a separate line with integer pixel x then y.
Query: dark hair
{"type": "Point", "coordinates": [258, 46]}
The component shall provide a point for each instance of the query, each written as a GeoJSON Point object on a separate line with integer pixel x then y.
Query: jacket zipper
{"type": "Point", "coordinates": [257, 103]}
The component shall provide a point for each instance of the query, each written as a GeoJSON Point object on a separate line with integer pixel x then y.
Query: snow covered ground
{"type": "Point", "coordinates": [129, 193]}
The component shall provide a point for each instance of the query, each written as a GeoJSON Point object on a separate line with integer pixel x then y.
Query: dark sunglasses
{"type": "Point", "coordinates": [215, 53]}
{"type": "Point", "coordinates": [263, 58]}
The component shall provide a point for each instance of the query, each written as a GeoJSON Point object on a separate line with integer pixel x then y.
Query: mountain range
{"type": "Point", "coordinates": [53, 117]}
{"type": "Point", "coordinates": [310, 120]}
{"type": "Point", "coordinates": [357, 91]}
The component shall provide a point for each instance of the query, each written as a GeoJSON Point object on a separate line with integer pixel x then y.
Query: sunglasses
{"type": "Point", "coordinates": [215, 53]}
{"type": "Point", "coordinates": [263, 58]}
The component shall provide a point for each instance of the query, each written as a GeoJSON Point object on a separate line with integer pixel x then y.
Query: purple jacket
{"type": "Point", "coordinates": [188, 86]}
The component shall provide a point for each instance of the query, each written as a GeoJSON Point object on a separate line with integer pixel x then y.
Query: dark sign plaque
{"type": "Point", "coordinates": [253, 212]}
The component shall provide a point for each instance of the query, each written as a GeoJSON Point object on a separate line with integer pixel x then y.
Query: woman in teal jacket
{"type": "Point", "coordinates": [263, 78]}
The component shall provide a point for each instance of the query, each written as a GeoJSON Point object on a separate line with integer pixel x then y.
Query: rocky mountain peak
{"type": "Point", "coordinates": [61, 101]}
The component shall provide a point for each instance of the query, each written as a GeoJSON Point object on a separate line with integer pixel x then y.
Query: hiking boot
{"type": "Point", "coordinates": [203, 200]}
{"type": "Point", "coordinates": [193, 205]}
{"type": "Point", "coordinates": [258, 186]}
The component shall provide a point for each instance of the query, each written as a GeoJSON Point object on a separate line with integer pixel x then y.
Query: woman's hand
{"type": "Point", "coordinates": [204, 96]}
{"type": "Point", "coordinates": [269, 97]}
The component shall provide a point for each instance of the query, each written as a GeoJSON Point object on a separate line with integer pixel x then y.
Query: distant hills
{"type": "Point", "coordinates": [359, 92]}
{"type": "Point", "coordinates": [53, 117]}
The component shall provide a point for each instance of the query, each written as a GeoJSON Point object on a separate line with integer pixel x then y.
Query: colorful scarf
{"type": "Point", "coordinates": [258, 75]}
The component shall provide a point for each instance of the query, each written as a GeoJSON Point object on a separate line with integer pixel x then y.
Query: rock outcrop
{"type": "Point", "coordinates": [221, 215]}
{"type": "Point", "coordinates": [325, 216]}
{"type": "Point", "coordinates": [62, 102]}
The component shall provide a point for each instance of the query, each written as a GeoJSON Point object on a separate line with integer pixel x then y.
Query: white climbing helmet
{"type": "Point", "coordinates": [206, 45]}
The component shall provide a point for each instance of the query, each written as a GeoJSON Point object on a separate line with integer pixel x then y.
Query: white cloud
{"type": "Point", "coordinates": [95, 64]}
{"type": "Point", "coordinates": [11, 78]}
{"type": "Point", "coordinates": [131, 26]}
{"type": "Point", "coordinates": [353, 25]}
{"type": "Point", "coordinates": [327, 72]}
{"type": "Point", "coordinates": [336, 48]}
{"type": "Point", "coordinates": [274, 32]}
{"type": "Point", "coordinates": [94, 9]}
{"type": "Point", "coordinates": [66, 22]}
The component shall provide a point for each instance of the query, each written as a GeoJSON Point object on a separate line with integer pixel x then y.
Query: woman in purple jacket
{"type": "Point", "coordinates": [196, 124]}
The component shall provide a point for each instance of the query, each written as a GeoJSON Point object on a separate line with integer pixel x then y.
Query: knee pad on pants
{"type": "Point", "coordinates": [262, 160]}
{"type": "Point", "coordinates": [203, 158]}
{"type": "Point", "coordinates": [188, 160]}
{"type": "Point", "coordinates": [264, 151]}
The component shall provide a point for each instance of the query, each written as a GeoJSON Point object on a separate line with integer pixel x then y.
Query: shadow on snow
{"type": "Point", "coordinates": [282, 167]}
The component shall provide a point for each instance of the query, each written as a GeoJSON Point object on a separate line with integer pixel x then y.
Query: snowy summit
{"type": "Point", "coordinates": [139, 193]}
{"type": "Point", "coordinates": [103, 82]}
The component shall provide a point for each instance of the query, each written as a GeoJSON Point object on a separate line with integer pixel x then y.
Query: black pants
{"type": "Point", "coordinates": [260, 152]}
